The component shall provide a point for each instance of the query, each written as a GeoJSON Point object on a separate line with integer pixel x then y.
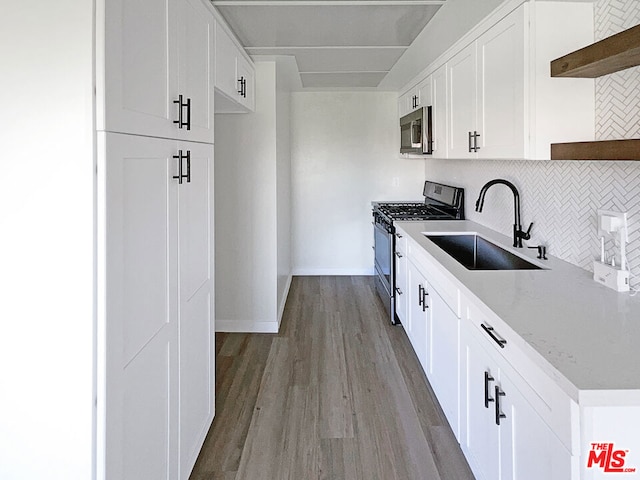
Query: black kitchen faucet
{"type": "Point", "coordinates": [518, 234]}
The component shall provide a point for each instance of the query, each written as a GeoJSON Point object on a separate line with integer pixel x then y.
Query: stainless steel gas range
{"type": "Point", "coordinates": [441, 202]}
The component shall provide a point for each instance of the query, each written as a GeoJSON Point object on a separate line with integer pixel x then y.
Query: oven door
{"type": "Point", "coordinates": [384, 265]}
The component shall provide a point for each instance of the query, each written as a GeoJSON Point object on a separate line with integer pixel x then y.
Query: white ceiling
{"type": "Point", "coordinates": [337, 44]}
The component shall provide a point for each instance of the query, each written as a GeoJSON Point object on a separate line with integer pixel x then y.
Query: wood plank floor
{"type": "Point", "coordinates": [338, 394]}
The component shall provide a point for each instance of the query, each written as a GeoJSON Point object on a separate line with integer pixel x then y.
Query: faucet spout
{"type": "Point", "coordinates": [518, 234]}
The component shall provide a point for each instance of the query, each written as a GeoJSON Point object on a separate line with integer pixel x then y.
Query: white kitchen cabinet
{"type": "Point", "coordinates": [501, 101]}
{"type": "Point", "coordinates": [196, 53]}
{"type": "Point", "coordinates": [196, 315]}
{"type": "Point", "coordinates": [418, 96]}
{"type": "Point", "coordinates": [408, 102]}
{"type": "Point", "coordinates": [462, 103]}
{"type": "Point", "coordinates": [528, 447]}
{"type": "Point", "coordinates": [235, 76]}
{"type": "Point", "coordinates": [500, 76]}
{"type": "Point", "coordinates": [401, 276]}
{"type": "Point", "coordinates": [443, 363]}
{"type": "Point", "coordinates": [439, 100]}
{"type": "Point", "coordinates": [503, 436]}
{"type": "Point", "coordinates": [479, 439]}
{"type": "Point", "coordinates": [405, 104]}
{"type": "Point", "coordinates": [418, 313]}
{"type": "Point", "coordinates": [246, 77]}
{"type": "Point", "coordinates": [226, 53]}
{"type": "Point", "coordinates": [486, 93]}
{"type": "Point", "coordinates": [155, 69]}
{"type": "Point", "coordinates": [138, 201]}
{"type": "Point", "coordinates": [156, 403]}
{"type": "Point", "coordinates": [433, 328]}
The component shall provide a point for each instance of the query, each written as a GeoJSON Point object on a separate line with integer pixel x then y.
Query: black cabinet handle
{"type": "Point", "coordinates": [179, 176]}
{"type": "Point", "coordinates": [243, 87]}
{"type": "Point", "coordinates": [500, 341]}
{"type": "Point", "coordinates": [398, 290]}
{"type": "Point", "coordinates": [487, 380]}
{"type": "Point", "coordinates": [470, 142]}
{"type": "Point", "coordinates": [399, 255]}
{"type": "Point", "coordinates": [499, 415]}
{"type": "Point", "coordinates": [181, 105]}
{"type": "Point", "coordinates": [398, 235]}
{"type": "Point", "coordinates": [181, 156]}
{"type": "Point", "coordinates": [420, 294]}
{"type": "Point", "coordinates": [188, 105]}
{"type": "Point", "coordinates": [425, 294]}
{"type": "Point", "coordinates": [188, 166]}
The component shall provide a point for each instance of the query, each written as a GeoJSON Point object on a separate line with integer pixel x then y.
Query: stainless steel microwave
{"type": "Point", "coordinates": [416, 132]}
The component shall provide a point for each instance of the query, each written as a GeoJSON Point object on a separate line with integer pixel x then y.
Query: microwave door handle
{"type": "Point", "coordinates": [429, 131]}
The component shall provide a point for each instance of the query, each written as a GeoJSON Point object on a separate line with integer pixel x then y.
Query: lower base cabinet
{"type": "Point", "coordinates": [417, 324]}
{"type": "Point", "coordinates": [492, 408]}
{"type": "Point", "coordinates": [443, 371]}
{"type": "Point", "coordinates": [503, 437]}
{"type": "Point", "coordinates": [155, 334]}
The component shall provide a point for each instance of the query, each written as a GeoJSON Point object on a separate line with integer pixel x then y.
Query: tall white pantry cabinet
{"type": "Point", "coordinates": [155, 302]}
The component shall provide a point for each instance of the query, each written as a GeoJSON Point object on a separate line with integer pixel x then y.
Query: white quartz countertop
{"type": "Point", "coordinates": [588, 333]}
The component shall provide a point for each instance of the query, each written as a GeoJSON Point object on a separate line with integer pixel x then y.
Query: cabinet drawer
{"type": "Point", "coordinates": [438, 279]}
{"type": "Point", "coordinates": [553, 405]}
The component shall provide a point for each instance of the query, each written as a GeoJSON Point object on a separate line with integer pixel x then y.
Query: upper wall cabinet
{"type": "Point", "coordinates": [418, 96]}
{"type": "Point", "coordinates": [156, 73]}
{"type": "Point", "coordinates": [500, 101]}
{"type": "Point", "coordinates": [486, 94]}
{"type": "Point", "coordinates": [439, 100]}
{"type": "Point", "coordinates": [235, 76]}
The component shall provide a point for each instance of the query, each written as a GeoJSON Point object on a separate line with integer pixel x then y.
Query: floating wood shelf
{"type": "Point", "coordinates": [610, 55]}
{"type": "Point", "coordinates": [604, 150]}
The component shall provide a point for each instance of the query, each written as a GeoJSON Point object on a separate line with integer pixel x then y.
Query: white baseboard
{"type": "Point", "coordinates": [333, 272]}
{"type": "Point", "coordinates": [246, 326]}
{"type": "Point", "coordinates": [251, 326]}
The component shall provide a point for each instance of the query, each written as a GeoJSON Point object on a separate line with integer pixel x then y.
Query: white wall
{"type": "Point", "coordinates": [251, 211]}
{"type": "Point", "coordinates": [46, 240]}
{"type": "Point", "coordinates": [283, 186]}
{"type": "Point", "coordinates": [344, 155]}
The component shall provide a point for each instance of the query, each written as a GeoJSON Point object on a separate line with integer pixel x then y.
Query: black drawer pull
{"type": "Point", "coordinates": [500, 341]}
{"type": "Point", "coordinates": [499, 414]}
{"type": "Point", "coordinates": [487, 379]}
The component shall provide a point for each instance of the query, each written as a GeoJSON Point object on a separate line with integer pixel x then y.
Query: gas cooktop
{"type": "Point", "coordinates": [441, 202]}
{"type": "Point", "coordinates": [412, 211]}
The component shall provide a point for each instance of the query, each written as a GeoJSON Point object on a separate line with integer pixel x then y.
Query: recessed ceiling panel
{"type": "Point", "coordinates": [342, 80]}
{"type": "Point", "coordinates": [342, 59]}
{"type": "Point", "coordinates": [333, 25]}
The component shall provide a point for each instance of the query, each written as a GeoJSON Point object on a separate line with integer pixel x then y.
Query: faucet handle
{"type": "Point", "coordinates": [527, 235]}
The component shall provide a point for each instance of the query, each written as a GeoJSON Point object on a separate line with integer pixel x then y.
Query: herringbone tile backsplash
{"type": "Point", "coordinates": [562, 198]}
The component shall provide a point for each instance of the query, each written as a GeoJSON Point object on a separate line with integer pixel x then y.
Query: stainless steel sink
{"type": "Point", "coordinates": [477, 253]}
